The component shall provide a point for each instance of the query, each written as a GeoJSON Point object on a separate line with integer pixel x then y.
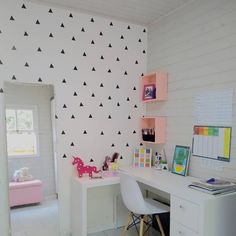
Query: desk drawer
{"type": "Point", "coordinates": [177, 229]}
{"type": "Point", "coordinates": [185, 212]}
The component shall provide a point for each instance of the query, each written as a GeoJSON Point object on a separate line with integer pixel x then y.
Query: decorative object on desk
{"type": "Point", "coordinates": [148, 135]}
{"type": "Point", "coordinates": [164, 165]}
{"type": "Point", "coordinates": [110, 165]}
{"type": "Point", "coordinates": [106, 163]}
{"type": "Point", "coordinates": [114, 165]}
{"type": "Point", "coordinates": [142, 157]}
{"type": "Point", "coordinates": [180, 160]}
{"type": "Point", "coordinates": [82, 169]}
{"type": "Point", "coordinates": [157, 161]}
{"type": "Point", "coordinates": [149, 91]}
{"type": "Point", "coordinates": [212, 142]}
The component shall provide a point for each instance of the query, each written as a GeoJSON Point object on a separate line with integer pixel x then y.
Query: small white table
{"type": "Point", "coordinates": [79, 190]}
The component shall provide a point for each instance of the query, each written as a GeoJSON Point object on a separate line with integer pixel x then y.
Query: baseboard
{"type": "Point", "coordinates": [99, 228]}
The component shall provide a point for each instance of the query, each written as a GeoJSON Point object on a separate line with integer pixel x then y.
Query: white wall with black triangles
{"type": "Point", "coordinates": [94, 64]}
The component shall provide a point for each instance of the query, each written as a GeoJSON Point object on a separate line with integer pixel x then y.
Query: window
{"type": "Point", "coordinates": [22, 132]}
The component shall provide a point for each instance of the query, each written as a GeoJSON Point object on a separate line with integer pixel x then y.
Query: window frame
{"type": "Point", "coordinates": [34, 108]}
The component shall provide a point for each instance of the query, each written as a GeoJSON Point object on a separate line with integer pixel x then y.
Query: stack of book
{"type": "Point", "coordinates": [215, 187]}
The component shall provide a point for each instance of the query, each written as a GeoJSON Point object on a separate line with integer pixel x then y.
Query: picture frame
{"type": "Point", "coordinates": [149, 91]}
{"type": "Point", "coordinates": [180, 160]}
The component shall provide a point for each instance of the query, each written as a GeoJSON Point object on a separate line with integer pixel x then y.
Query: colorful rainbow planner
{"type": "Point", "coordinates": [142, 157]}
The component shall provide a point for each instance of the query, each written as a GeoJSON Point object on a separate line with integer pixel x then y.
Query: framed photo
{"type": "Point", "coordinates": [149, 91]}
{"type": "Point", "coordinates": [180, 160]}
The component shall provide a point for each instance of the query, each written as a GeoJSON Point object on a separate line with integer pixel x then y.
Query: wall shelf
{"type": "Point", "coordinates": [159, 81]}
{"type": "Point", "coordinates": [153, 130]}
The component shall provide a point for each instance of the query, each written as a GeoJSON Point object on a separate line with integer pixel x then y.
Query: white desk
{"type": "Point", "coordinates": [193, 213]}
{"type": "Point", "coordinates": [79, 197]}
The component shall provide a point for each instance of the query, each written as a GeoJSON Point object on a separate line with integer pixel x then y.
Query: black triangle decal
{"type": "Point", "coordinates": [128, 27]}
{"type": "Point", "coordinates": [37, 22]}
{"type": "Point", "coordinates": [118, 104]}
{"type": "Point", "coordinates": [13, 48]}
{"type": "Point", "coordinates": [101, 85]}
{"type": "Point", "coordinates": [141, 144]}
{"type": "Point", "coordinates": [102, 133]}
{"type": "Point", "coordinates": [109, 71]}
{"type": "Point", "coordinates": [109, 45]}
{"type": "Point", "coordinates": [136, 62]}
{"type": "Point", "coordinates": [127, 99]}
{"type": "Point", "coordinates": [81, 104]}
{"type": "Point", "coordinates": [93, 69]}
{"type": "Point", "coordinates": [125, 73]}
{"type": "Point", "coordinates": [142, 74]}
{"type": "Point", "coordinates": [135, 106]}
{"type": "Point", "coordinates": [109, 117]}
{"type": "Point", "coordinates": [56, 117]}
{"type": "Point", "coordinates": [72, 117]}
{"type": "Point", "coordinates": [26, 64]}
{"type": "Point", "coordinates": [129, 117]}
{"type": "Point", "coordinates": [39, 49]}
{"type": "Point", "coordinates": [117, 86]}
{"type": "Point", "coordinates": [85, 132]}
{"type": "Point", "coordinates": [140, 40]}
{"type": "Point", "coordinates": [64, 156]}
{"type": "Point", "coordinates": [84, 54]}
{"type": "Point", "coordinates": [1, 90]}
{"type": "Point", "coordinates": [121, 157]}
{"type": "Point", "coordinates": [101, 34]}
{"type": "Point", "coordinates": [75, 94]}
{"type": "Point", "coordinates": [92, 20]}
{"type": "Point", "coordinates": [144, 30]}
{"type": "Point", "coordinates": [62, 51]}
{"type": "Point", "coordinates": [113, 145]}
{"type": "Point", "coordinates": [50, 11]}
{"type": "Point", "coordinates": [102, 57]}
{"type": "Point", "coordinates": [109, 98]}
{"type": "Point", "coordinates": [51, 66]}
{"type": "Point", "coordinates": [40, 80]}
{"type": "Point", "coordinates": [134, 88]}
{"type": "Point", "coordinates": [92, 42]}
{"type": "Point", "coordinates": [82, 30]}
{"type": "Point", "coordinates": [51, 35]}
{"type": "Point", "coordinates": [90, 116]}
{"type": "Point", "coordinates": [26, 34]}
{"type": "Point", "coordinates": [100, 105]}
{"type": "Point", "coordinates": [119, 133]}
{"type": "Point", "coordinates": [144, 52]}
{"type": "Point", "coordinates": [111, 24]}
{"type": "Point", "coordinates": [12, 18]}
{"type": "Point", "coordinates": [1, 62]}
{"type": "Point", "coordinates": [117, 59]}
{"type": "Point", "coordinates": [93, 95]}
{"type": "Point", "coordinates": [91, 160]}
{"type": "Point", "coordinates": [62, 25]}
{"type": "Point", "coordinates": [121, 37]}
{"type": "Point", "coordinates": [13, 77]}
{"type": "Point", "coordinates": [23, 6]}
{"type": "Point", "coordinates": [126, 48]}
{"type": "Point", "coordinates": [71, 15]}
{"type": "Point", "coordinates": [134, 132]}
{"type": "Point", "coordinates": [127, 145]}
{"type": "Point", "coordinates": [73, 38]}
{"type": "Point", "coordinates": [84, 83]}
{"type": "Point", "coordinates": [72, 144]}
{"type": "Point", "coordinates": [75, 68]}
{"type": "Point", "coordinates": [64, 81]}
{"type": "Point", "coordinates": [64, 106]}
{"type": "Point", "coordinates": [63, 132]}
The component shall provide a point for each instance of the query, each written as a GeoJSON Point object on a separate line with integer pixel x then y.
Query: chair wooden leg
{"type": "Point", "coordinates": [141, 227]}
{"type": "Point", "coordinates": [145, 218]}
{"type": "Point", "coordinates": [160, 225]}
{"type": "Point", "coordinates": [127, 224]}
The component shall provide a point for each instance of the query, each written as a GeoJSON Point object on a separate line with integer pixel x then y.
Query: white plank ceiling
{"type": "Point", "coordinates": [141, 12]}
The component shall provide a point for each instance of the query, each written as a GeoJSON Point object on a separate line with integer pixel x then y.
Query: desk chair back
{"type": "Point", "coordinates": [132, 195]}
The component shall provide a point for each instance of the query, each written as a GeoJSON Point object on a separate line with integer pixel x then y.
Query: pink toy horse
{"type": "Point", "coordinates": [82, 169]}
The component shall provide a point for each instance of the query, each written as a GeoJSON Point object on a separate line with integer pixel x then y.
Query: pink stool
{"type": "Point", "coordinates": [26, 192]}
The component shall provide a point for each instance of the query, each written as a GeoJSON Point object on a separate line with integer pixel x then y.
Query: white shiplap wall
{"type": "Point", "coordinates": [197, 46]}
{"type": "Point", "coordinates": [41, 167]}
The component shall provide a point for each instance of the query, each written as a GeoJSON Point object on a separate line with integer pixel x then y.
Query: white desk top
{"type": "Point", "coordinates": [167, 182]}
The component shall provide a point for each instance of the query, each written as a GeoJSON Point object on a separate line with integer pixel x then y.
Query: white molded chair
{"type": "Point", "coordinates": [137, 205]}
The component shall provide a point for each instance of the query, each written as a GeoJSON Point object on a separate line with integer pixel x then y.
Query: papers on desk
{"type": "Point", "coordinates": [214, 188]}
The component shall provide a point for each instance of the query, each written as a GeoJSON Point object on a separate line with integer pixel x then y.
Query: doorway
{"type": "Point", "coordinates": [30, 130]}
